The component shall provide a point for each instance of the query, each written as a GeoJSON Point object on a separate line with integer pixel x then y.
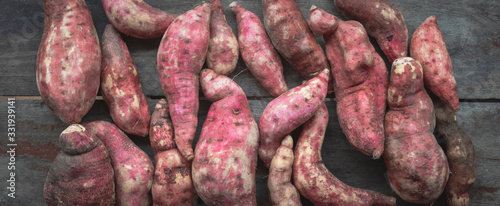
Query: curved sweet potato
{"type": "Point", "coordinates": [132, 166]}
{"type": "Point", "coordinates": [69, 59]}
{"type": "Point", "coordinates": [416, 165]}
{"type": "Point", "coordinates": [312, 178]}
{"type": "Point", "coordinates": [137, 18]}
{"type": "Point", "coordinates": [382, 20]}
{"type": "Point", "coordinates": [360, 80]}
{"type": "Point", "coordinates": [120, 85]}
{"type": "Point", "coordinates": [226, 153]}
{"type": "Point", "coordinates": [181, 56]}
{"type": "Point", "coordinates": [428, 47]}
{"type": "Point", "coordinates": [288, 111]}
{"type": "Point", "coordinates": [81, 174]}
{"type": "Point", "coordinates": [258, 52]}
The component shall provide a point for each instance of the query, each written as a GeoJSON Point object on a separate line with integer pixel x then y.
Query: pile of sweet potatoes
{"type": "Point", "coordinates": [382, 114]}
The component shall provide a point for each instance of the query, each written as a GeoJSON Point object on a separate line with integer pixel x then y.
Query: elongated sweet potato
{"type": "Point", "coordinates": [312, 178]}
{"type": "Point", "coordinates": [288, 111]}
{"type": "Point", "coordinates": [81, 174]}
{"type": "Point", "coordinates": [258, 52]}
{"type": "Point", "coordinates": [281, 189]}
{"type": "Point", "coordinates": [69, 59]}
{"type": "Point", "coordinates": [428, 47]}
{"type": "Point", "coordinates": [292, 37]}
{"type": "Point", "coordinates": [137, 18]}
{"type": "Point", "coordinates": [416, 165]}
{"type": "Point", "coordinates": [181, 56]}
{"type": "Point", "coordinates": [222, 55]}
{"type": "Point", "coordinates": [459, 152]}
{"type": "Point", "coordinates": [360, 80]}
{"type": "Point", "coordinates": [132, 166]}
{"type": "Point", "coordinates": [226, 153]}
{"type": "Point", "coordinates": [172, 184]}
{"type": "Point", "coordinates": [382, 20]}
{"type": "Point", "coordinates": [120, 85]}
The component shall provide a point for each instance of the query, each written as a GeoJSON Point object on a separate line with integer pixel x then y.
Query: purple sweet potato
{"type": "Point", "coordinates": [120, 85]}
{"type": "Point", "coordinates": [417, 168]}
{"type": "Point", "coordinates": [288, 111]}
{"type": "Point", "coordinates": [292, 37]}
{"type": "Point", "coordinates": [360, 80]}
{"type": "Point", "coordinates": [172, 184]}
{"type": "Point", "coordinates": [222, 55]}
{"type": "Point", "coordinates": [459, 152]}
{"type": "Point", "coordinates": [81, 174]}
{"type": "Point", "coordinates": [382, 20]}
{"type": "Point", "coordinates": [137, 18]}
{"type": "Point", "coordinates": [428, 47]}
{"type": "Point", "coordinates": [226, 153]}
{"type": "Point", "coordinates": [281, 189]}
{"type": "Point", "coordinates": [68, 60]}
{"type": "Point", "coordinates": [132, 166]}
{"type": "Point", "coordinates": [312, 178]}
{"type": "Point", "coordinates": [181, 56]}
{"type": "Point", "coordinates": [258, 52]}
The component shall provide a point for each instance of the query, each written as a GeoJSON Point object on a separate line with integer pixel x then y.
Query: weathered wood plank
{"type": "Point", "coordinates": [470, 29]}
{"type": "Point", "coordinates": [37, 131]}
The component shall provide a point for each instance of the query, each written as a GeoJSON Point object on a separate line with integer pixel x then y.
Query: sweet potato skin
{"type": "Point", "coordinates": [281, 189]}
{"type": "Point", "coordinates": [132, 167]}
{"type": "Point", "coordinates": [172, 183]}
{"type": "Point", "coordinates": [181, 55]}
{"type": "Point", "coordinates": [226, 153]}
{"type": "Point", "coordinates": [288, 111]}
{"type": "Point", "coordinates": [137, 18]}
{"type": "Point", "coordinates": [292, 37]}
{"type": "Point", "coordinates": [360, 80]}
{"type": "Point", "coordinates": [382, 20]}
{"type": "Point", "coordinates": [312, 178]}
{"type": "Point", "coordinates": [120, 85]}
{"type": "Point", "coordinates": [222, 55]}
{"type": "Point", "coordinates": [459, 152]}
{"type": "Point", "coordinates": [258, 52]}
{"type": "Point", "coordinates": [416, 165]}
{"type": "Point", "coordinates": [68, 60]}
{"type": "Point", "coordinates": [81, 174]}
{"type": "Point", "coordinates": [428, 47]}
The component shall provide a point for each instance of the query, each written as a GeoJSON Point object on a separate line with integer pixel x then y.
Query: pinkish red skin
{"type": "Point", "coordinates": [181, 56]}
{"type": "Point", "coordinates": [137, 18]}
{"type": "Point", "coordinates": [360, 80]}
{"type": "Point", "coordinates": [312, 178]}
{"type": "Point", "coordinates": [417, 168]}
{"type": "Point", "coordinates": [81, 174]}
{"type": "Point", "coordinates": [132, 166]}
{"type": "Point", "coordinates": [120, 85]}
{"type": "Point", "coordinates": [258, 52]}
{"type": "Point", "coordinates": [222, 55]}
{"type": "Point", "coordinates": [292, 37]}
{"type": "Point", "coordinates": [281, 190]}
{"type": "Point", "coordinates": [172, 184]}
{"type": "Point", "coordinates": [382, 20]}
{"type": "Point", "coordinates": [428, 47]}
{"type": "Point", "coordinates": [226, 153]}
{"type": "Point", "coordinates": [68, 60]}
{"type": "Point", "coordinates": [288, 111]}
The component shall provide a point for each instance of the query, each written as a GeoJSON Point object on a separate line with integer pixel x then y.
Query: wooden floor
{"type": "Point", "coordinates": [471, 29]}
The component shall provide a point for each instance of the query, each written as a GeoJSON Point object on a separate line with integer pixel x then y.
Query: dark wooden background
{"type": "Point", "coordinates": [471, 29]}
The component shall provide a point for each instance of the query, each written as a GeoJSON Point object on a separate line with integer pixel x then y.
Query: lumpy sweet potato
{"type": "Point", "coordinates": [120, 85]}
{"type": "Point", "coordinates": [226, 153]}
{"type": "Point", "coordinates": [360, 80]}
{"type": "Point", "coordinates": [69, 59]}
{"type": "Point", "coordinates": [81, 174]}
{"type": "Point", "coordinates": [416, 165]}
